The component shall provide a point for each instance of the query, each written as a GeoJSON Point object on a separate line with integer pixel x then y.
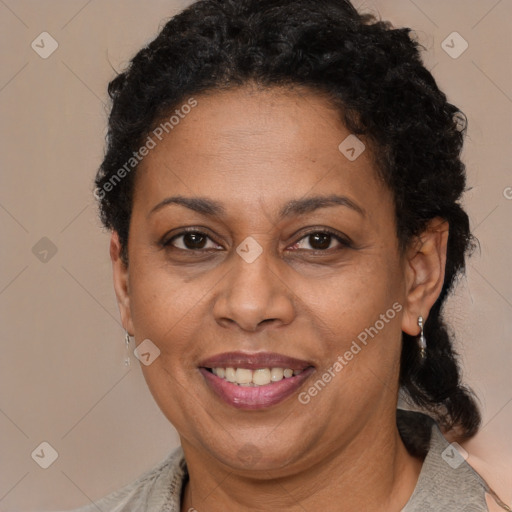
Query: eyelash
{"type": "Point", "coordinates": [345, 242]}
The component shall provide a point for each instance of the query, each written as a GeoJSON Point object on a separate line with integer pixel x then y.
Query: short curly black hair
{"type": "Point", "coordinates": [374, 75]}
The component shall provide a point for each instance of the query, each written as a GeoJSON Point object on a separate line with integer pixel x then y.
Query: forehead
{"type": "Point", "coordinates": [248, 146]}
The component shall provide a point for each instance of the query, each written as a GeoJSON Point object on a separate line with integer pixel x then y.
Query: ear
{"type": "Point", "coordinates": [425, 263]}
{"type": "Point", "coordinates": [121, 284]}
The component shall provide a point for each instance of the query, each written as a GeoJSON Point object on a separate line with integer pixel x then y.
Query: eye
{"type": "Point", "coordinates": [192, 241]}
{"type": "Point", "coordinates": [320, 241]}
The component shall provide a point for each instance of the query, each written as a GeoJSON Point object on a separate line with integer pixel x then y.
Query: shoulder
{"type": "Point", "coordinates": [447, 481]}
{"type": "Point", "coordinates": [158, 489]}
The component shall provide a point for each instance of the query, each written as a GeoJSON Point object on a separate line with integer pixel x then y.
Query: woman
{"type": "Point", "coordinates": [282, 182]}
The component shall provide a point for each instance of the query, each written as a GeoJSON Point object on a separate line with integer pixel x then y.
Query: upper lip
{"type": "Point", "coordinates": [253, 361]}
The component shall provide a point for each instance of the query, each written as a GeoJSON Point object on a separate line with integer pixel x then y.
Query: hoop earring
{"type": "Point", "coordinates": [422, 342]}
{"type": "Point", "coordinates": [127, 360]}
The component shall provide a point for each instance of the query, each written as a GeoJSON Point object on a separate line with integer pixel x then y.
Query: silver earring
{"type": "Point", "coordinates": [127, 360]}
{"type": "Point", "coordinates": [422, 342]}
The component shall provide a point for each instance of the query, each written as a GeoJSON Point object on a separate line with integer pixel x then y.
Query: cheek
{"type": "Point", "coordinates": [353, 298]}
{"type": "Point", "coordinates": [358, 318]}
{"type": "Point", "coordinates": [357, 314]}
{"type": "Point", "coordinates": [165, 307]}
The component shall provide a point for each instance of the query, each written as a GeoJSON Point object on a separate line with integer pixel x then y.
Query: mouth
{"type": "Point", "coordinates": [254, 381]}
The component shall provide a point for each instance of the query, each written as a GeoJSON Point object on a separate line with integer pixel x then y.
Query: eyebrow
{"type": "Point", "coordinates": [211, 208]}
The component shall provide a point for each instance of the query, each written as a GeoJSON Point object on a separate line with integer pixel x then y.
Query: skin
{"type": "Point", "coordinates": [253, 150]}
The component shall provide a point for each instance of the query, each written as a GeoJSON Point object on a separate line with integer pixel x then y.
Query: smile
{"type": "Point", "coordinates": [254, 381]}
{"type": "Point", "coordinates": [259, 377]}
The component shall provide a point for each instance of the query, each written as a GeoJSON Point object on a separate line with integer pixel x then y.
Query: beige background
{"type": "Point", "coordinates": [62, 378]}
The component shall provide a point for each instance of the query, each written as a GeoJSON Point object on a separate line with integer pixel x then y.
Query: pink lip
{"type": "Point", "coordinates": [254, 361]}
{"type": "Point", "coordinates": [257, 397]}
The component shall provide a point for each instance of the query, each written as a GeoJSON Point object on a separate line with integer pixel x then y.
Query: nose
{"type": "Point", "coordinates": [253, 295]}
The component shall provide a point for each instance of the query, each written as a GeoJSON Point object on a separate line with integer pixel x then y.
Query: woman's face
{"type": "Point", "coordinates": [291, 253]}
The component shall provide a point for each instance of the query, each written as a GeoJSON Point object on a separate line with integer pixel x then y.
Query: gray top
{"type": "Point", "coordinates": [447, 483]}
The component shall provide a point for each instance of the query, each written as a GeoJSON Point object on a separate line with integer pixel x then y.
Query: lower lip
{"type": "Point", "coordinates": [255, 397]}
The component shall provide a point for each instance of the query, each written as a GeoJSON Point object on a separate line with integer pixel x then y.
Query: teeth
{"type": "Point", "coordinates": [276, 374]}
{"type": "Point", "coordinates": [230, 374]}
{"type": "Point", "coordinates": [243, 376]}
{"type": "Point", "coordinates": [260, 377]}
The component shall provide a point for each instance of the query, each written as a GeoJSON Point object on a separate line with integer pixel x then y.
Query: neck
{"type": "Point", "coordinates": [373, 471]}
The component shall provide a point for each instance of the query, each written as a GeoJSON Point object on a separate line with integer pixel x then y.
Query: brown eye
{"type": "Point", "coordinates": [192, 241]}
{"type": "Point", "coordinates": [320, 241]}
